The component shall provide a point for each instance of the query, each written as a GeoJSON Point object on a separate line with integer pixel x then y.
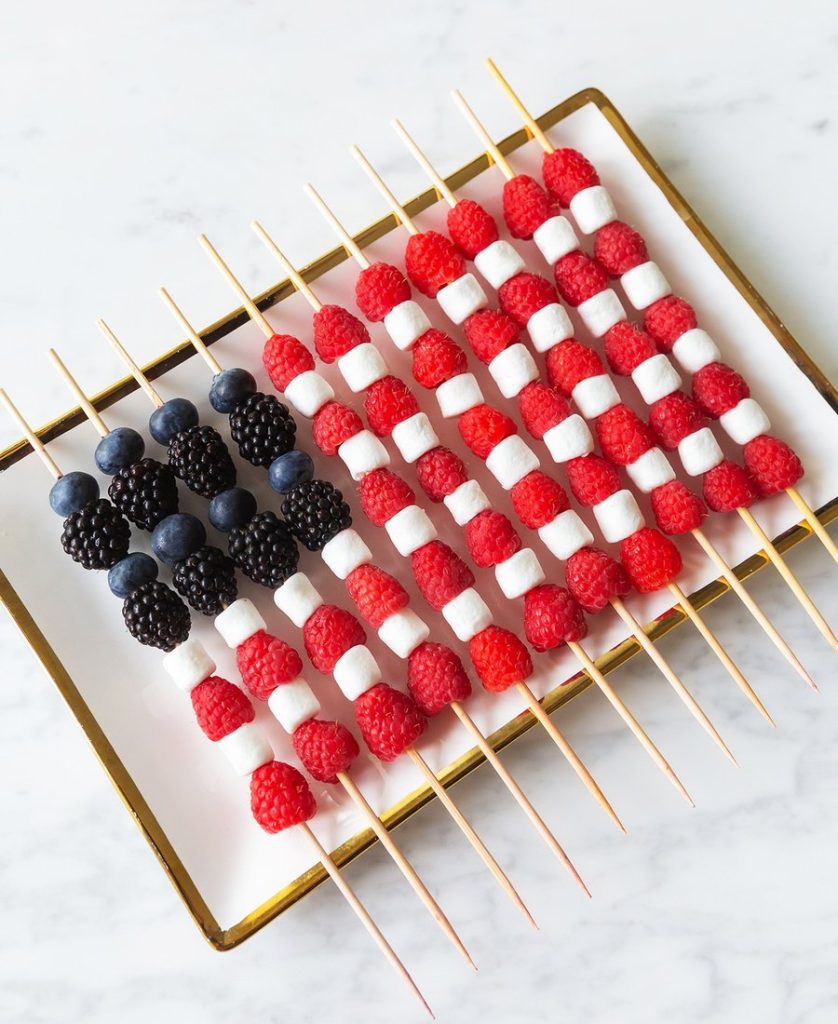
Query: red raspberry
{"type": "Point", "coordinates": [436, 678]}
{"type": "Point", "coordinates": [333, 424]}
{"type": "Point", "coordinates": [676, 508]}
{"type": "Point", "coordinates": [626, 347]}
{"type": "Point", "coordinates": [383, 494]}
{"type": "Point", "coordinates": [440, 472]}
{"type": "Point", "coordinates": [525, 294]}
{"type": "Point", "coordinates": [437, 358]}
{"type": "Point", "coordinates": [280, 797]}
{"type": "Point", "coordinates": [220, 707]}
{"type": "Point", "coordinates": [728, 486]}
{"type": "Point", "coordinates": [552, 617]}
{"type": "Point", "coordinates": [578, 277]}
{"type": "Point", "coordinates": [570, 362]}
{"type": "Point", "coordinates": [675, 417]}
{"type": "Point", "coordinates": [591, 479]}
{"type": "Point", "coordinates": [285, 358]}
{"type": "Point", "coordinates": [538, 499]}
{"type": "Point", "coordinates": [623, 436]}
{"type": "Point", "coordinates": [651, 560]}
{"type": "Point", "coordinates": [440, 573]}
{"type": "Point", "coordinates": [541, 408]}
{"type": "Point", "coordinates": [567, 172]}
{"type": "Point", "coordinates": [390, 722]}
{"type": "Point", "coordinates": [325, 748]}
{"type": "Point", "coordinates": [489, 332]}
{"type": "Point", "coordinates": [491, 538]}
{"type": "Point", "coordinates": [667, 319]}
{"type": "Point", "coordinates": [482, 427]}
{"type": "Point", "coordinates": [376, 594]}
{"type": "Point", "coordinates": [472, 227]}
{"type": "Point", "coordinates": [265, 662]}
{"type": "Point", "coordinates": [336, 332]}
{"type": "Point", "coordinates": [526, 206]}
{"type": "Point", "coordinates": [772, 463]}
{"type": "Point", "coordinates": [432, 262]}
{"type": "Point", "coordinates": [380, 288]}
{"type": "Point", "coordinates": [499, 658]}
{"type": "Point", "coordinates": [594, 578]}
{"type": "Point", "coordinates": [619, 248]}
{"type": "Point", "coordinates": [718, 388]}
{"type": "Point", "coordinates": [387, 402]}
{"type": "Point", "coordinates": [329, 633]}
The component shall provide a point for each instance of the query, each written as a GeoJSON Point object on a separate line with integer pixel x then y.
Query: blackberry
{"type": "Point", "coordinates": [97, 536]}
{"type": "Point", "coordinates": [156, 616]}
{"type": "Point", "coordinates": [145, 492]}
{"type": "Point", "coordinates": [206, 579]}
{"type": "Point", "coordinates": [315, 511]}
{"type": "Point", "coordinates": [264, 549]}
{"type": "Point", "coordinates": [263, 428]}
{"type": "Point", "coordinates": [200, 458]}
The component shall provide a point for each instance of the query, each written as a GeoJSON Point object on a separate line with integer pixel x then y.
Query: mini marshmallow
{"type": "Point", "coordinates": [403, 631]}
{"type": "Point", "coordinates": [356, 671]}
{"type": "Point", "coordinates": [414, 436]}
{"type": "Point", "coordinates": [466, 501]}
{"type": "Point", "coordinates": [499, 262]}
{"type": "Point", "coordinates": [595, 395]}
{"type": "Point", "coordinates": [308, 392]}
{"type": "Point", "coordinates": [458, 394]}
{"type": "Point", "coordinates": [652, 469]}
{"type": "Point", "coordinates": [645, 284]}
{"type": "Point", "coordinates": [362, 366]}
{"type": "Point", "coordinates": [410, 529]}
{"type": "Point", "coordinates": [239, 621]}
{"type": "Point", "coordinates": [745, 421]}
{"type": "Point", "coordinates": [513, 369]}
{"type": "Point", "coordinates": [298, 598]}
{"type": "Point", "coordinates": [655, 378]}
{"type": "Point", "coordinates": [293, 703]}
{"type": "Point", "coordinates": [363, 453]}
{"type": "Point", "coordinates": [569, 439]}
{"type": "Point", "coordinates": [519, 574]}
{"type": "Point", "coordinates": [619, 516]}
{"type": "Point", "coordinates": [549, 326]}
{"type": "Point", "coordinates": [406, 323]}
{"type": "Point", "coordinates": [510, 461]}
{"type": "Point", "coordinates": [556, 238]}
{"type": "Point", "coordinates": [188, 664]}
{"type": "Point", "coordinates": [601, 311]}
{"type": "Point", "coordinates": [700, 452]}
{"type": "Point", "coordinates": [592, 209]}
{"type": "Point", "coordinates": [467, 614]}
{"type": "Point", "coordinates": [695, 349]}
{"type": "Point", "coordinates": [461, 298]}
{"type": "Point", "coordinates": [565, 535]}
{"type": "Point", "coordinates": [246, 748]}
{"type": "Point", "coordinates": [345, 552]}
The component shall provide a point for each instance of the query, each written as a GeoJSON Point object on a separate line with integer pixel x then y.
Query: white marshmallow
{"type": "Point", "coordinates": [618, 516]}
{"type": "Point", "coordinates": [699, 452]}
{"type": "Point", "coordinates": [188, 664]}
{"type": "Point", "coordinates": [569, 439]}
{"type": "Point", "coordinates": [403, 631]}
{"type": "Point", "coordinates": [363, 453]}
{"type": "Point", "coordinates": [406, 323]}
{"type": "Point", "coordinates": [592, 209]}
{"type": "Point", "coordinates": [510, 461]}
{"type": "Point", "coordinates": [556, 238]}
{"type": "Point", "coordinates": [645, 284]}
{"type": "Point", "coordinates": [293, 703]}
{"type": "Point", "coordinates": [601, 311]}
{"type": "Point", "coordinates": [414, 436]}
{"type": "Point", "coordinates": [745, 421]}
{"type": "Point", "coordinates": [655, 378]}
{"type": "Point", "coordinates": [565, 535]}
{"type": "Point", "coordinates": [695, 349]}
{"type": "Point", "coordinates": [458, 394]}
{"type": "Point", "coordinates": [499, 262]}
{"type": "Point", "coordinates": [466, 502]}
{"type": "Point", "coordinates": [461, 298]}
{"type": "Point", "coordinates": [247, 748]}
{"type": "Point", "coordinates": [519, 574]}
{"type": "Point", "coordinates": [345, 552]}
{"type": "Point", "coordinates": [652, 469]}
{"type": "Point", "coordinates": [356, 671]}
{"type": "Point", "coordinates": [410, 529]}
{"type": "Point", "coordinates": [513, 369]}
{"type": "Point", "coordinates": [298, 598]}
{"type": "Point", "coordinates": [362, 366]}
{"type": "Point", "coordinates": [308, 392]}
{"type": "Point", "coordinates": [549, 326]}
{"type": "Point", "coordinates": [239, 621]}
{"type": "Point", "coordinates": [595, 395]}
{"type": "Point", "coordinates": [467, 614]}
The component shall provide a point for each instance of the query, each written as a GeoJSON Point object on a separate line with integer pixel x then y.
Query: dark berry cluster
{"type": "Point", "coordinates": [206, 579]}
{"type": "Point", "coordinates": [264, 549]}
{"type": "Point", "coordinates": [263, 428]}
{"type": "Point", "coordinates": [97, 535]}
{"type": "Point", "coordinates": [145, 491]}
{"type": "Point", "coordinates": [315, 511]}
{"type": "Point", "coordinates": [199, 456]}
{"type": "Point", "coordinates": [156, 616]}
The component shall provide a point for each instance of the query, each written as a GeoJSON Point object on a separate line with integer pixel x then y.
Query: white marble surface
{"type": "Point", "coordinates": [131, 129]}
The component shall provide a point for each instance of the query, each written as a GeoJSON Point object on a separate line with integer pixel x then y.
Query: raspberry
{"type": "Point", "coordinates": [432, 261]}
{"type": "Point", "coordinates": [525, 294]}
{"type": "Point", "coordinates": [471, 227]}
{"type": "Point", "coordinates": [570, 362]}
{"type": "Point", "coordinates": [325, 748]}
{"type": "Point", "coordinates": [499, 658]}
{"type": "Point", "coordinates": [491, 538]}
{"type": "Point", "coordinates": [336, 332]}
{"type": "Point", "coordinates": [437, 358]}
{"type": "Point", "coordinates": [728, 486]}
{"type": "Point", "coordinates": [380, 288]}
{"type": "Point", "coordinates": [650, 559]}
{"type": "Point", "coordinates": [594, 578]}
{"type": "Point", "coordinates": [285, 358]}
{"type": "Point", "coordinates": [280, 797]}
{"type": "Point", "coordinates": [376, 594]}
{"type": "Point", "coordinates": [436, 678]}
{"type": "Point", "coordinates": [667, 319]}
{"type": "Point", "coordinates": [578, 277]}
{"type": "Point", "coordinates": [440, 472]}
{"type": "Point", "coordinates": [220, 707]}
{"type": "Point", "coordinates": [440, 573]}
{"type": "Point", "coordinates": [526, 206]}
{"type": "Point", "coordinates": [538, 499]}
{"type": "Point", "coordinates": [567, 172]}
{"type": "Point", "coordinates": [626, 347]}
{"type": "Point", "coordinates": [489, 332]}
{"type": "Point", "coordinates": [623, 436]}
{"type": "Point", "coordinates": [718, 388]}
{"type": "Point", "coordinates": [383, 494]}
{"type": "Point", "coordinates": [329, 633]}
{"type": "Point", "coordinates": [389, 721]}
{"type": "Point", "coordinates": [387, 402]}
{"type": "Point", "coordinates": [482, 427]}
{"type": "Point", "coordinates": [675, 417]}
{"type": "Point", "coordinates": [333, 424]}
{"type": "Point", "coordinates": [619, 248]}
{"type": "Point", "coordinates": [541, 408]}
{"type": "Point", "coordinates": [265, 662]}
{"type": "Point", "coordinates": [552, 617]}
{"type": "Point", "coordinates": [591, 479]}
{"type": "Point", "coordinates": [772, 463]}
{"type": "Point", "coordinates": [676, 508]}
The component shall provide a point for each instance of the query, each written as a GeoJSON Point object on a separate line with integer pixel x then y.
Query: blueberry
{"type": "Point", "coordinates": [229, 388]}
{"type": "Point", "coordinates": [72, 492]}
{"type": "Point", "coordinates": [118, 449]}
{"type": "Point", "coordinates": [288, 470]}
{"type": "Point", "coordinates": [231, 508]}
{"type": "Point", "coordinates": [173, 416]}
{"type": "Point", "coordinates": [177, 536]}
{"type": "Point", "coordinates": [131, 572]}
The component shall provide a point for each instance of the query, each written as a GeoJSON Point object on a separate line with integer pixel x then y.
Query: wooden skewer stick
{"type": "Point", "coordinates": [30, 435]}
{"type": "Point", "coordinates": [811, 518]}
{"type": "Point", "coordinates": [137, 373]}
{"type": "Point", "coordinates": [531, 123]}
{"type": "Point", "coordinates": [196, 340]}
{"type": "Point", "coordinates": [84, 402]}
{"type": "Point", "coordinates": [479, 130]}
